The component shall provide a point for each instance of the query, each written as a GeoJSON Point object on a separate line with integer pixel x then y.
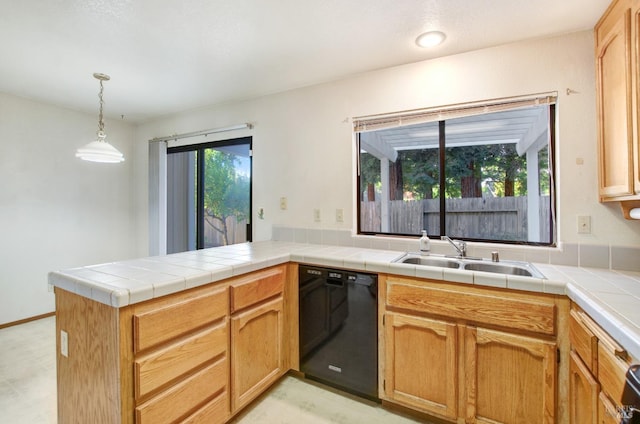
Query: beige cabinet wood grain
{"type": "Point", "coordinates": [169, 359]}
{"type": "Point", "coordinates": [608, 412]}
{"type": "Point", "coordinates": [584, 391]}
{"type": "Point", "coordinates": [421, 363]}
{"type": "Point", "coordinates": [614, 96]}
{"type": "Point", "coordinates": [597, 388]}
{"type": "Point", "coordinates": [258, 345]}
{"type": "Point", "coordinates": [617, 37]}
{"type": "Point", "coordinates": [448, 353]}
{"type": "Point", "coordinates": [181, 355]}
{"type": "Point", "coordinates": [257, 353]}
{"type": "Point", "coordinates": [509, 378]}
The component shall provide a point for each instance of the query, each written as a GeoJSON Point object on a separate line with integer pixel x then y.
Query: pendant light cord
{"type": "Point", "coordinates": [100, 123]}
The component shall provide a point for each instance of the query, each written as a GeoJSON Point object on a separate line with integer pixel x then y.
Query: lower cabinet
{"type": "Point", "coordinates": [472, 355]}
{"type": "Point", "coordinates": [204, 386]}
{"type": "Point", "coordinates": [421, 363]}
{"type": "Point", "coordinates": [181, 357]}
{"type": "Point", "coordinates": [598, 369]}
{"type": "Point", "coordinates": [583, 400]}
{"type": "Point", "coordinates": [257, 351]}
{"type": "Point", "coordinates": [608, 412]}
{"type": "Point", "coordinates": [509, 378]}
{"type": "Point", "coordinates": [200, 356]}
{"type": "Point", "coordinates": [257, 334]}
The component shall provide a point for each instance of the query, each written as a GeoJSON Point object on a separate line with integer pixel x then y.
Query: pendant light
{"type": "Point", "coordinates": [100, 150]}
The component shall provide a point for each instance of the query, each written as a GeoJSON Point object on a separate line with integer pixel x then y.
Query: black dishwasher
{"type": "Point", "coordinates": [339, 329]}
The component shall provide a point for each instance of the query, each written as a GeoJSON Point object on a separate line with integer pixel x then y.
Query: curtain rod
{"type": "Point", "coordinates": [203, 132]}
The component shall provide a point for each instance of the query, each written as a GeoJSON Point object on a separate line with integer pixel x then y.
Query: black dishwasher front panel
{"type": "Point", "coordinates": [338, 329]}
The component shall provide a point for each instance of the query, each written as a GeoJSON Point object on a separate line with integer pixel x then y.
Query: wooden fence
{"type": "Point", "coordinates": [491, 218]}
{"type": "Point", "coordinates": [236, 232]}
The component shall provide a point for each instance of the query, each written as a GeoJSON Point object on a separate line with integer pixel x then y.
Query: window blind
{"type": "Point", "coordinates": [442, 113]}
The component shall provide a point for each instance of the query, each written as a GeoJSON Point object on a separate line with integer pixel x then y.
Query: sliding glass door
{"type": "Point", "coordinates": [208, 195]}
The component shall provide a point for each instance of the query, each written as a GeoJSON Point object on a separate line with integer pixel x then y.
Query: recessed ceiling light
{"type": "Point", "coordinates": [430, 39]}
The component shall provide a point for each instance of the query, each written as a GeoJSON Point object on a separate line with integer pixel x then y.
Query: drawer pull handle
{"type": "Point", "coordinates": [621, 353]}
{"type": "Point", "coordinates": [604, 338]}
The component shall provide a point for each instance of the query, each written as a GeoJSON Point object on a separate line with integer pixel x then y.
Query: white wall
{"type": "Point", "coordinates": [56, 211]}
{"type": "Point", "coordinates": [303, 144]}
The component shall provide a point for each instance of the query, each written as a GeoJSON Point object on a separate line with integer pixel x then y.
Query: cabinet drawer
{"type": "Point", "coordinates": [216, 411]}
{"type": "Point", "coordinates": [185, 396]}
{"type": "Point", "coordinates": [530, 315]}
{"type": "Point", "coordinates": [161, 320]}
{"type": "Point", "coordinates": [611, 370]}
{"type": "Point", "coordinates": [160, 367]}
{"type": "Point", "coordinates": [256, 288]}
{"type": "Point", "coordinates": [583, 341]}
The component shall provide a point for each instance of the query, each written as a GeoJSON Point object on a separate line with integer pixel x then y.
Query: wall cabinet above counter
{"type": "Point", "coordinates": [617, 38]}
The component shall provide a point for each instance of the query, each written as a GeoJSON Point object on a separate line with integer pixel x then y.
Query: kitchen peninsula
{"type": "Point", "coordinates": [136, 339]}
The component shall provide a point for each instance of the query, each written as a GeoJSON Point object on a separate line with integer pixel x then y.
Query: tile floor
{"type": "Point", "coordinates": [28, 389]}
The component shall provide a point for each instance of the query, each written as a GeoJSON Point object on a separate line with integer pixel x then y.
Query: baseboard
{"type": "Point", "coordinates": [23, 321]}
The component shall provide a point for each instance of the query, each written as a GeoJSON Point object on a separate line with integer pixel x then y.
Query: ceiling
{"type": "Point", "coordinates": [168, 56]}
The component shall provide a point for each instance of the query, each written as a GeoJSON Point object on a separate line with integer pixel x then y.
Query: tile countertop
{"type": "Point", "coordinates": [611, 298]}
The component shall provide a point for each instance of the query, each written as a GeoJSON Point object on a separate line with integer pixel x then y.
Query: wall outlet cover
{"type": "Point", "coordinates": [64, 343]}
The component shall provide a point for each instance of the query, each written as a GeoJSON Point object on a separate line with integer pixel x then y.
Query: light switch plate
{"type": "Point", "coordinates": [283, 203]}
{"type": "Point", "coordinates": [339, 215]}
{"type": "Point", "coordinates": [316, 215]}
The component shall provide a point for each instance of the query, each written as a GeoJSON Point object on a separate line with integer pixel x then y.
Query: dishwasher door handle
{"type": "Point", "coordinates": [334, 283]}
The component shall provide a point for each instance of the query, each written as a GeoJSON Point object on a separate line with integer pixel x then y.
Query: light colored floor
{"type": "Point", "coordinates": [28, 389]}
{"type": "Point", "coordinates": [28, 373]}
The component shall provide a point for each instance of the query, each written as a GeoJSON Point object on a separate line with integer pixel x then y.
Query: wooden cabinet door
{"type": "Point", "coordinates": [583, 393]}
{"type": "Point", "coordinates": [608, 412]}
{"type": "Point", "coordinates": [615, 102]}
{"type": "Point", "coordinates": [635, 69]}
{"type": "Point", "coordinates": [509, 378]}
{"type": "Point", "coordinates": [257, 351]}
{"type": "Point", "coordinates": [421, 366]}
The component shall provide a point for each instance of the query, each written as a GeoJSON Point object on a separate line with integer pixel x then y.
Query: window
{"type": "Point", "coordinates": [208, 195]}
{"type": "Point", "coordinates": [481, 172]}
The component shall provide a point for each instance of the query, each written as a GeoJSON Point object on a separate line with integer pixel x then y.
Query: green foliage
{"type": "Point", "coordinates": [369, 172]}
{"type": "Point", "coordinates": [421, 172]}
{"type": "Point", "coordinates": [498, 167]}
{"type": "Point", "coordinates": [226, 191]}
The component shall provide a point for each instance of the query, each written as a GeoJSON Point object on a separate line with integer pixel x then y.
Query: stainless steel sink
{"type": "Point", "coordinates": [509, 268]}
{"type": "Point", "coordinates": [431, 261]}
{"type": "Point", "coordinates": [476, 264]}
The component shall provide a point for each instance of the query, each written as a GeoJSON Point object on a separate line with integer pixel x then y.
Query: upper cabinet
{"type": "Point", "coordinates": [618, 89]}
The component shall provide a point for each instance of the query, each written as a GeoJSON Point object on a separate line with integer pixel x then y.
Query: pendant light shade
{"type": "Point", "coordinates": [100, 150]}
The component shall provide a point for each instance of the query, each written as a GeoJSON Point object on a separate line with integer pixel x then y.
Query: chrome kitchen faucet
{"type": "Point", "coordinates": [460, 246]}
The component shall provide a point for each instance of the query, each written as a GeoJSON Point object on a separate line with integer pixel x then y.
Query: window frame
{"type": "Point", "coordinates": [390, 120]}
{"type": "Point", "coordinates": [200, 175]}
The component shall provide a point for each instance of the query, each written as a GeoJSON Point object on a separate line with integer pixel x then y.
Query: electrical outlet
{"type": "Point", "coordinates": [283, 203]}
{"type": "Point", "coordinates": [339, 215]}
{"type": "Point", "coordinates": [316, 215]}
{"type": "Point", "coordinates": [584, 224]}
{"type": "Point", "coordinates": [64, 343]}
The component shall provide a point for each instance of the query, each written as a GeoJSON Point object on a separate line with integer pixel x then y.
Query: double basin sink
{"type": "Point", "coordinates": [525, 269]}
